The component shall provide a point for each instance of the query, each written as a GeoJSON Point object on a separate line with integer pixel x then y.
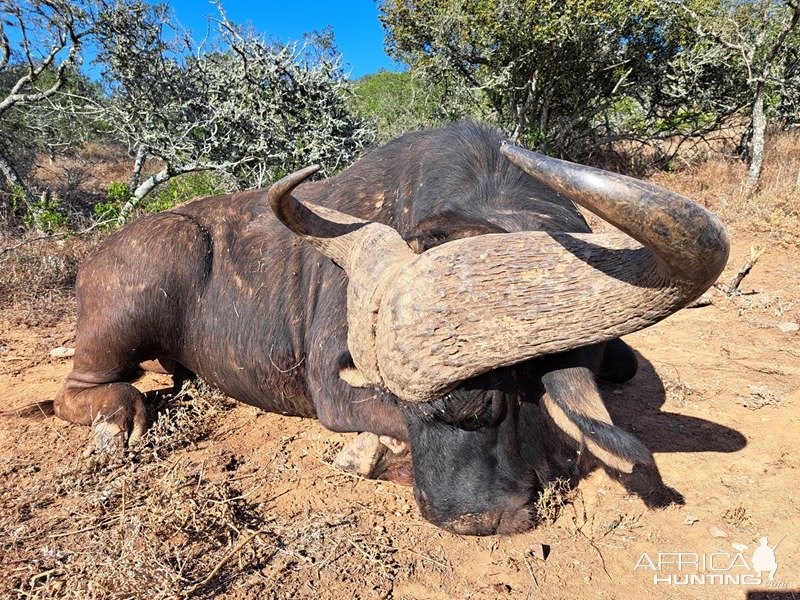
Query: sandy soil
{"type": "Point", "coordinates": [244, 504]}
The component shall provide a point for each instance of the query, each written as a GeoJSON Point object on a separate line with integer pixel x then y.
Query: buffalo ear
{"type": "Point", "coordinates": [568, 426]}
{"type": "Point", "coordinates": [353, 377]}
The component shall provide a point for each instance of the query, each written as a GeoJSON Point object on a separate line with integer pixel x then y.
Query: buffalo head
{"type": "Point", "coordinates": [486, 341]}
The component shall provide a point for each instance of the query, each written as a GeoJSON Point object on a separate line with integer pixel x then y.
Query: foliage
{"type": "Point", "coordinates": [44, 215]}
{"type": "Point", "coordinates": [550, 72]}
{"type": "Point", "coordinates": [48, 126]}
{"type": "Point", "coordinates": [398, 102]}
{"type": "Point", "coordinates": [756, 46]}
{"type": "Point", "coordinates": [575, 77]}
{"type": "Point", "coordinates": [118, 193]}
{"type": "Point", "coordinates": [235, 102]}
{"type": "Point", "coordinates": [184, 188]}
{"type": "Point", "coordinates": [176, 191]}
{"type": "Point", "coordinates": [238, 104]}
{"type": "Point", "coordinates": [47, 43]}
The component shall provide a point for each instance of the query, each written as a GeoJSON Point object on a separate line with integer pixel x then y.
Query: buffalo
{"type": "Point", "coordinates": [444, 292]}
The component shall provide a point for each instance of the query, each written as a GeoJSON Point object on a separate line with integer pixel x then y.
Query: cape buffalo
{"type": "Point", "coordinates": [443, 291]}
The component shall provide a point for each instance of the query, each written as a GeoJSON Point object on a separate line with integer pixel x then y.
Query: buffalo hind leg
{"type": "Point", "coordinates": [130, 302]}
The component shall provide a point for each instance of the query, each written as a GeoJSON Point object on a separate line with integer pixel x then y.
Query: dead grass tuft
{"type": "Point", "coordinates": [738, 516]}
{"type": "Point", "coordinates": [761, 396]}
{"type": "Point", "coordinates": [37, 279]}
{"type": "Point", "coordinates": [551, 501]}
{"type": "Point", "coordinates": [182, 419]}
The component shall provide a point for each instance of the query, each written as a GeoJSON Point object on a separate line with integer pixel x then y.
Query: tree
{"type": "Point", "coordinates": [574, 77]}
{"type": "Point", "coordinates": [234, 102]}
{"type": "Point", "coordinates": [568, 76]}
{"type": "Point", "coordinates": [398, 102]}
{"type": "Point", "coordinates": [50, 35]}
{"type": "Point", "coordinates": [759, 45]}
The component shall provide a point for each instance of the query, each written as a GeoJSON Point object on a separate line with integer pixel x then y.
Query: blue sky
{"type": "Point", "coordinates": [358, 32]}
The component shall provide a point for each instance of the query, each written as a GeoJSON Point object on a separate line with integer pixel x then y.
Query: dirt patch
{"type": "Point", "coordinates": [225, 501]}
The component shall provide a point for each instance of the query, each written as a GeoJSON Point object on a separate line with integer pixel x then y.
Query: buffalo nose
{"type": "Point", "coordinates": [515, 517]}
{"type": "Point", "coordinates": [493, 522]}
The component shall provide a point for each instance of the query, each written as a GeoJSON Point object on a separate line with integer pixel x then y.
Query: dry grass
{"type": "Point", "coordinates": [773, 209]}
{"type": "Point", "coordinates": [738, 516]}
{"type": "Point", "coordinates": [552, 500]}
{"type": "Point", "coordinates": [157, 524]}
{"type": "Point", "coordinates": [37, 279]}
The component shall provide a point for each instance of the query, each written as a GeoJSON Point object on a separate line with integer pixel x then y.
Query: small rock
{"type": "Point", "coordinates": [704, 300]}
{"type": "Point", "coordinates": [788, 327]}
{"type": "Point", "coordinates": [498, 588]}
{"type": "Point", "coordinates": [690, 520]}
{"type": "Point", "coordinates": [540, 551]}
{"type": "Point", "coordinates": [718, 532]}
{"type": "Point", "coordinates": [360, 456]}
{"type": "Point", "coordinates": [739, 547]}
{"type": "Point", "coordinates": [62, 352]}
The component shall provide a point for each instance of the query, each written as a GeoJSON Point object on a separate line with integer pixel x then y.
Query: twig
{"type": "Point", "coordinates": [85, 529]}
{"type": "Point", "coordinates": [733, 287]}
{"type": "Point", "coordinates": [189, 591]}
{"type": "Point", "coordinates": [420, 555]}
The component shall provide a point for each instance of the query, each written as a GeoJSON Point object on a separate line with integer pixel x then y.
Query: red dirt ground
{"type": "Point", "coordinates": [717, 399]}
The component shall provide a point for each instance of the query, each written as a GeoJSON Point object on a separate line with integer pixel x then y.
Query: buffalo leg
{"type": "Point", "coordinates": [130, 297]}
{"type": "Point", "coordinates": [96, 392]}
{"type": "Point", "coordinates": [116, 410]}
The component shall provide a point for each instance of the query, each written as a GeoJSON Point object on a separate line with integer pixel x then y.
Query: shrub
{"type": "Point", "coordinates": [118, 194]}
{"type": "Point", "coordinates": [184, 188]}
{"type": "Point", "coordinates": [44, 215]}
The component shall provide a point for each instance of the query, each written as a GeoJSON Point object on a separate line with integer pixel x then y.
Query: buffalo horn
{"type": "Point", "coordinates": [432, 320]}
{"type": "Point", "coordinates": [369, 253]}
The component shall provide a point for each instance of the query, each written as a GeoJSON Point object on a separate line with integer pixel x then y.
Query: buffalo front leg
{"type": "Point", "coordinates": [376, 457]}
{"type": "Point", "coordinates": [115, 410]}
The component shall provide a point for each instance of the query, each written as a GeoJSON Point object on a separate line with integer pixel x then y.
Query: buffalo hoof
{"type": "Point", "coordinates": [376, 457]}
{"type": "Point", "coordinates": [361, 456]}
{"type": "Point", "coordinates": [111, 439]}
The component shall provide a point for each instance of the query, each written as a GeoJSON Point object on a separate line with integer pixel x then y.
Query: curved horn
{"type": "Point", "coordinates": [330, 231]}
{"type": "Point", "coordinates": [420, 324]}
{"type": "Point", "coordinates": [688, 241]}
{"type": "Point", "coordinates": [370, 253]}
{"type": "Point", "coordinates": [476, 304]}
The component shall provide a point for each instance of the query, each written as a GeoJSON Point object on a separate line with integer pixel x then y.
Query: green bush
{"type": "Point", "coordinates": [118, 194]}
{"type": "Point", "coordinates": [45, 215]}
{"type": "Point", "coordinates": [184, 188]}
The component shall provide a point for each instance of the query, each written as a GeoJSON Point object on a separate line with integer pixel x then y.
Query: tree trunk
{"type": "Point", "coordinates": [15, 183]}
{"type": "Point", "coordinates": [141, 191]}
{"type": "Point", "coordinates": [149, 184]}
{"type": "Point", "coordinates": [138, 165]}
{"type": "Point", "coordinates": [757, 147]}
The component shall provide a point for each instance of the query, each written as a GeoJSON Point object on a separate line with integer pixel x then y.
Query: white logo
{"type": "Point", "coordinates": [764, 558]}
{"type": "Point", "coordinates": [715, 568]}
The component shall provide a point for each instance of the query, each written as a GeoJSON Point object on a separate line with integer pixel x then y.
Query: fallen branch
{"type": "Point", "coordinates": [733, 287]}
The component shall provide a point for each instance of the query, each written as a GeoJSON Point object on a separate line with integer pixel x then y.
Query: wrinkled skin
{"type": "Point", "coordinates": [224, 290]}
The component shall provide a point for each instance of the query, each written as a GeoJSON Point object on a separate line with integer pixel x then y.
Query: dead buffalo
{"type": "Point", "coordinates": [443, 291]}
